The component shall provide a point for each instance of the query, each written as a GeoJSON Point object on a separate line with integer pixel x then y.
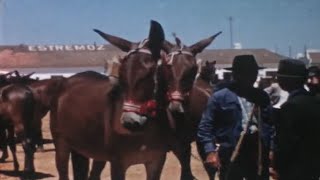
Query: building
{"type": "Point", "coordinates": [66, 60]}
{"type": "Point", "coordinates": [314, 56]}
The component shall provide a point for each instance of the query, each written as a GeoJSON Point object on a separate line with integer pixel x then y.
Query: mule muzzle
{"type": "Point", "coordinates": [176, 98]}
{"type": "Point", "coordinates": [133, 121]}
{"type": "Point", "coordinates": [176, 107]}
{"type": "Point", "coordinates": [135, 116]}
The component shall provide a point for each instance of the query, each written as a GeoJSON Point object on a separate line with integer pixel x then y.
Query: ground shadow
{"type": "Point", "coordinates": [45, 150]}
{"type": "Point", "coordinates": [24, 176]}
{"type": "Point", "coordinates": [47, 141]}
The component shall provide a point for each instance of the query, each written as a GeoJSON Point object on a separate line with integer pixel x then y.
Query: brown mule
{"type": "Point", "coordinates": [16, 117]}
{"type": "Point", "coordinates": [113, 121]}
{"type": "Point", "coordinates": [186, 96]}
{"type": "Point", "coordinates": [16, 110]}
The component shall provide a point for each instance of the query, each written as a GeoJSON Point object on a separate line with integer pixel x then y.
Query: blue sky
{"type": "Point", "coordinates": [271, 24]}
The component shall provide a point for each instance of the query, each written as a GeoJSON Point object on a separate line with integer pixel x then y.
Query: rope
{"type": "Point", "coordinates": [235, 152]}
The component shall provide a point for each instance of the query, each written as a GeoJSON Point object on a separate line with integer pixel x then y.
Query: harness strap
{"type": "Point", "coordinates": [172, 54]}
{"type": "Point", "coordinates": [129, 106]}
{"type": "Point", "coordinates": [176, 96]}
{"type": "Point", "coordinates": [141, 48]}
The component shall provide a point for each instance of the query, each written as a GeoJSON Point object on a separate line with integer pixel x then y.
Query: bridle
{"type": "Point", "coordinates": [176, 95]}
{"type": "Point", "coordinates": [149, 107]}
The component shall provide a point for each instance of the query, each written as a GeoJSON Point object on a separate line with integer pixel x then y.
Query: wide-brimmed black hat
{"type": "Point", "coordinates": [291, 68]}
{"type": "Point", "coordinates": [313, 71]}
{"type": "Point", "coordinates": [243, 63]}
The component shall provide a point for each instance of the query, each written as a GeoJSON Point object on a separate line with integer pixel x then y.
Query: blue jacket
{"type": "Point", "coordinates": [221, 121]}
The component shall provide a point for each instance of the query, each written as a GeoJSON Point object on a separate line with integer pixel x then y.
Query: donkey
{"type": "Point", "coordinates": [186, 95]}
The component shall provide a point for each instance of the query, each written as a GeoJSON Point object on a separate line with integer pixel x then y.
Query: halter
{"type": "Point", "coordinates": [140, 48]}
{"type": "Point", "coordinates": [147, 108]}
{"type": "Point", "coordinates": [176, 95]}
{"type": "Point", "coordinates": [178, 52]}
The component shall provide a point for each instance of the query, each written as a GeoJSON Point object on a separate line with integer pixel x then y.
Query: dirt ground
{"type": "Point", "coordinates": [45, 165]}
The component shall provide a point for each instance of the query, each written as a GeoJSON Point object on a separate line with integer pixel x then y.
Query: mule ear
{"type": "Point", "coordinates": [123, 44]}
{"type": "Point", "coordinates": [29, 75]}
{"type": "Point", "coordinates": [167, 46]}
{"type": "Point", "coordinates": [214, 62]}
{"type": "Point", "coordinates": [201, 45]}
{"type": "Point", "coordinates": [156, 38]}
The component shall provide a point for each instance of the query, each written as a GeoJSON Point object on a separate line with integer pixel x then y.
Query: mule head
{"type": "Point", "coordinates": [179, 69]}
{"type": "Point", "coordinates": [208, 72]}
{"type": "Point", "coordinates": [137, 75]}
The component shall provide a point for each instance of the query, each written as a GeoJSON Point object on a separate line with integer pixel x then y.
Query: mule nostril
{"type": "Point", "coordinates": [133, 121]}
{"type": "Point", "coordinates": [133, 126]}
{"type": "Point", "coordinates": [176, 106]}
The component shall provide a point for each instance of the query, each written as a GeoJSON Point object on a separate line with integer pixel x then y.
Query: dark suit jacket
{"type": "Point", "coordinates": [298, 136]}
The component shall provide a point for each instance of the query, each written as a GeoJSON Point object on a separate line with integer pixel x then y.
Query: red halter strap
{"type": "Point", "coordinates": [148, 108]}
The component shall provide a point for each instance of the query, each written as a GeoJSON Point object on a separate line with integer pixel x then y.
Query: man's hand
{"type": "Point", "coordinates": [213, 160]}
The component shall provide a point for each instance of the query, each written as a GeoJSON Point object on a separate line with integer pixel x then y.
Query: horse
{"type": "Point", "coordinates": [113, 120]}
{"type": "Point", "coordinates": [186, 94]}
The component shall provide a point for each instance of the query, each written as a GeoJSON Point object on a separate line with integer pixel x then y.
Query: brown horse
{"type": "Point", "coordinates": [186, 97]}
{"type": "Point", "coordinates": [113, 120]}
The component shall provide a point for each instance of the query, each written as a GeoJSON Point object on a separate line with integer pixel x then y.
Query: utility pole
{"type": "Point", "coordinates": [276, 49]}
{"type": "Point", "coordinates": [290, 52]}
{"type": "Point", "coordinates": [231, 31]}
{"type": "Point", "coordinates": [305, 51]}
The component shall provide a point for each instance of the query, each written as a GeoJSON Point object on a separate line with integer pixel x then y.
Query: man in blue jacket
{"type": "Point", "coordinates": [233, 110]}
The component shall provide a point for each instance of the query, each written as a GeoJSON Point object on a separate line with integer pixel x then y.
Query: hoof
{"type": "Point", "coordinates": [29, 171]}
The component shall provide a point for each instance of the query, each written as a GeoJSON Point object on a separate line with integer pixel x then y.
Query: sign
{"type": "Point", "coordinates": [88, 47]}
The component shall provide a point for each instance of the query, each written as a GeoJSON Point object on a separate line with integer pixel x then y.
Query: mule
{"type": "Point", "coordinates": [116, 121]}
{"type": "Point", "coordinates": [16, 109]}
{"type": "Point", "coordinates": [186, 95]}
{"type": "Point", "coordinates": [15, 99]}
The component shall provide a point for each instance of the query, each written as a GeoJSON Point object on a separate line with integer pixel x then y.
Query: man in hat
{"type": "Point", "coordinates": [314, 80]}
{"type": "Point", "coordinates": [297, 141]}
{"type": "Point", "coordinates": [231, 111]}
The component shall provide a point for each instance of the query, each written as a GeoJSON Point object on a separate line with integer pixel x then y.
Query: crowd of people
{"type": "Point", "coordinates": [251, 133]}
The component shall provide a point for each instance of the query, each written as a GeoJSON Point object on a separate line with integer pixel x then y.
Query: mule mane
{"type": "Point", "coordinates": [91, 74]}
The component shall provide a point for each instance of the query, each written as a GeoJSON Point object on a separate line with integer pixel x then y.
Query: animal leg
{"type": "Point", "coordinates": [3, 145]}
{"type": "Point", "coordinates": [154, 168]}
{"type": "Point", "coordinates": [96, 170]}
{"type": "Point", "coordinates": [117, 171]}
{"type": "Point", "coordinates": [62, 158]}
{"type": "Point", "coordinates": [27, 144]}
{"type": "Point", "coordinates": [80, 166]}
{"type": "Point", "coordinates": [39, 142]}
{"type": "Point", "coordinates": [29, 150]}
{"type": "Point", "coordinates": [13, 149]}
{"type": "Point", "coordinates": [183, 153]}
